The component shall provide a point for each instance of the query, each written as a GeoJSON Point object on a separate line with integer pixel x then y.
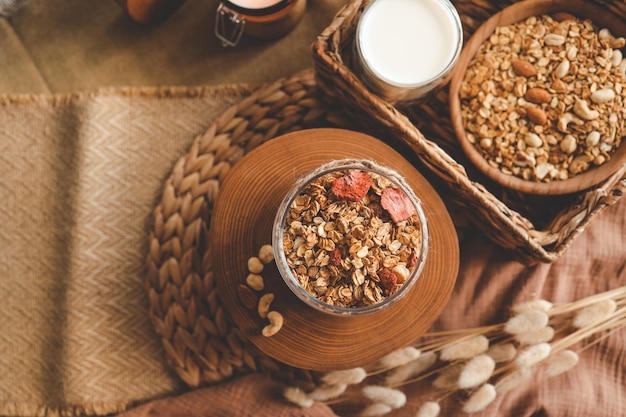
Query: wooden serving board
{"type": "Point", "coordinates": [242, 222]}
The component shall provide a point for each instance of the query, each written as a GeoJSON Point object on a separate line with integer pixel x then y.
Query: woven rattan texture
{"type": "Point", "coordinates": [533, 228]}
{"type": "Point", "coordinates": [202, 343]}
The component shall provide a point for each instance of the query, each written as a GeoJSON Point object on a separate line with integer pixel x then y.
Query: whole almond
{"type": "Point", "coordinates": [523, 68]}
{"type": "Point", "coordinates": [536, 115]}
{"type": "Point", "coordinates": [563, 16]}
{"type": "Point", "coordinates": [538, 95]}
{"type": "Point", "coordinates": [247, 297]}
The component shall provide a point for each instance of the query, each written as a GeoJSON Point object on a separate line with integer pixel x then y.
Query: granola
{"type": "Point", "coordinates": [350, 252]}
{"type": "Point", "coordinates": [544, 99]}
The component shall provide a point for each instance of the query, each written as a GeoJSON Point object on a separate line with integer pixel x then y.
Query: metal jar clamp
{"type": "Point", "coordinates": [233, 20]}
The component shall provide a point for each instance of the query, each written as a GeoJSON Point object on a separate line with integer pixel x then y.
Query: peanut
{"type": "Point", "coordinates": [533, 140]}
{"type": "Point", "coordinates": [402, 273]}
{"type": "Point", "coordinates": [554, 39]}
{"type": "Point", "coordinates": [266, 254]}
{"type": "Point", "coordinates": [568, 144]}
{"type": "Point", "coordinates": [255, 265]}
{"type": "Point", "coordinates": [616, 57]}
{"type": "Point", "coordinates": [562, 69]}
{"type": "Point", "coordinates": [593, 138]}
{"type": "Point", "coordinates": [255, 281]}
{"type": "Point", "coordinates": [603, 95]}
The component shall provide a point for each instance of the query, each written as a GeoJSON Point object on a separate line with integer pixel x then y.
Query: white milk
{"type": "Point", "coordinates": [255, 4]}
{"type": "Point", "coordinates": [408, 43]}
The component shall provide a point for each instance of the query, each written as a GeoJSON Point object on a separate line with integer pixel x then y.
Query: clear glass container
{"type": "Point", "coordinates": [328, 204]}
{"type": "Point", "coordinates": [406, 48]}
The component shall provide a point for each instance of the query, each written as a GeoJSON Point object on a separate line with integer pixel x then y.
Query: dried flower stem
{"type": "Point", "coordinates": [483, 373]}
{"type": "Point", "coordinates": [618, 294]}
{"type": "Point", "coordinates": [617, 319]}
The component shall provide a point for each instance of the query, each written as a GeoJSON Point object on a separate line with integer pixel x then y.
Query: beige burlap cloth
{"type": "Point", "coordinates": [79, 178]}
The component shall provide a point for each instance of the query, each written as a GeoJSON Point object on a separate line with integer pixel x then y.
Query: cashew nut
{"type": "Point", "coordinates": [565, 120]}
{"type": "Point", "coordinates": [264, 304]}
{"type": "Point", "coordinates": [582, 110]}
{"type": "Point", "coordinates": [255, 281]}
{"type": "Point", "coordinates": [618, 43]}
{"type": "Point", "coordinates": [276, 323]}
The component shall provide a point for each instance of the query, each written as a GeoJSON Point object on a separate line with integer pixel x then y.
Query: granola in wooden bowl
{"type": "Point", "coordinates": [538, 101]}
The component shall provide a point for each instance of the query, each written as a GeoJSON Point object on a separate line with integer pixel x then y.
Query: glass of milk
{"type": "Point", "coordinates": [406, 48]}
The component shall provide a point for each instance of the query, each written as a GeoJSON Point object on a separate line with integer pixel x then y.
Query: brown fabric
{"type": "Point", "coordinates": [79, 177]}
{"type": "Point", "coordinates": [490, 283]}
{"type": "Point", "coordinates": [252, 395]}
{"type": "Point", "coordinates": [77, 45]}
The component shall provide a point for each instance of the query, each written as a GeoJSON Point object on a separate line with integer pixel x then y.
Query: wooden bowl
{"type": "Point", "coordinates": [602, 18]}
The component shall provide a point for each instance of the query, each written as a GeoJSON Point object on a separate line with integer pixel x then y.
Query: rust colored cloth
{"type": "Point", "coordinates": [489, 283]}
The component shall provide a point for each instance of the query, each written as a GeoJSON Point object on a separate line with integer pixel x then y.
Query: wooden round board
{"type": "Point", "coordinates": [242, 222]}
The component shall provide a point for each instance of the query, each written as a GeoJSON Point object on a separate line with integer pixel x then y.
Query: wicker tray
{"type": "Point", "coordinates": [535, 228]}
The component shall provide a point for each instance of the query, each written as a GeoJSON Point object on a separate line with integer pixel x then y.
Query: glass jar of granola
{"type": "Point", "coordinates": [350, 237]}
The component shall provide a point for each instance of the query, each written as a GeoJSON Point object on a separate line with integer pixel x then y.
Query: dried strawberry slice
{"type": "Point", "coordinates": [388, 279]}
{"type": "Point", "coordinates": [353, 186]}
{"type": "Point", "coordinates": [397, 204]}
{"type": "Point", "coordinates": [335, 257]}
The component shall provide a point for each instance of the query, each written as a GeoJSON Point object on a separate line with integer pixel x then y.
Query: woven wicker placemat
{"type": "Point", "coordinates": [202, 343]}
